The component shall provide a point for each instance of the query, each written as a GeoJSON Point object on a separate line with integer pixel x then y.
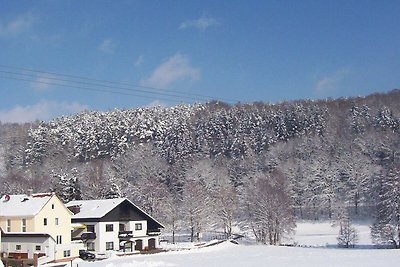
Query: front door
{"type": "Point", "coordinates": [139, 245]}
{"type": "Point", "coordinates": [152, 243]}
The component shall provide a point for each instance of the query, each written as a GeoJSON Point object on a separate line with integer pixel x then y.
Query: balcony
{"type": "Point", "coordinates": [125, 235]}
{"type": "Point", "coordinates": [88, 236]}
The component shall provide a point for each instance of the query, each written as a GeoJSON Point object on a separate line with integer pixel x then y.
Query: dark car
{"type": "Point", "coordinates": [86, 255]}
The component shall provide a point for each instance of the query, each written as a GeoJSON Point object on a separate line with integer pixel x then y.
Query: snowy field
{"type": "Point", "coordinates": [325, 234]}
{"type": "Point", "coordinates": [227, 254]}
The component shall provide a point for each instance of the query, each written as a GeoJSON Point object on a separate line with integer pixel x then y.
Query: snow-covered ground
{"type": "Point", "coordinates": [249, 254]}
{"type": "Point", "coordinates": [326, 233]}
{"type": "Point", "coordinates": [228, 254]}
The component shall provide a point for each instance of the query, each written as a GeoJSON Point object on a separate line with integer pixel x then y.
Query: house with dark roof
{"type": "Point", "coordinates": [114, 224]}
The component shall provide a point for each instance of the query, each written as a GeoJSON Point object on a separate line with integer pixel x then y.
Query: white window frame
{"type": "Point", "coordinates": [23, 225]}
{"type": "Point", "coordinates": [109, 247]}
{"type": "Point", "coordinates": [138, 226]}
{"type": "Point", "coordinates": [90, 246]}
{"type": "Point", "coordinates": [110, 225]}
{"type": "Point", "coordinates": [67, 253]}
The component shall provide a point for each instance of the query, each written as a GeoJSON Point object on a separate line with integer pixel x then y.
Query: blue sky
{"type": "Point", "coordinates": [234, 51]}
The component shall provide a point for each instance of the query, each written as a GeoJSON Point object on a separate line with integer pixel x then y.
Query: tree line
{"type": "Point", "coordinates": [197, 167]}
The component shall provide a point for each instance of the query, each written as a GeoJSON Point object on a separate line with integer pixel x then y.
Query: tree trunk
{"type": "Point", "coordinates": [356, 198]}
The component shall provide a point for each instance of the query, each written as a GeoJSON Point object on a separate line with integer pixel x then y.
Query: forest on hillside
{"type": "Point", "coordinates": [214, 166]}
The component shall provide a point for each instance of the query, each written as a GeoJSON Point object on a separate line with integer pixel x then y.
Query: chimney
{"type": "Point", "coordinates": [29, 193]}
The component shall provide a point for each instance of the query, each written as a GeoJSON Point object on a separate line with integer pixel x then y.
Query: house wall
{"type": "Point", "coordinates": [28, 245]}
{"type": "Point", "coordinates": [16, 224]}
{"type": "Point", "coordinates": [102, 236]}
{"type": "Point", "coordinates": [105, 236]}
{"type": "Point", "coordinates": [55, 209]}
{"type": "Point", "coordinates": [142, 232]}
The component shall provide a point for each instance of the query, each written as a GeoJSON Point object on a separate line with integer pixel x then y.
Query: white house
{"type": "Point", "coordinates": [114, 224]}
{"type": "Point", "coordinates": [27, 245]}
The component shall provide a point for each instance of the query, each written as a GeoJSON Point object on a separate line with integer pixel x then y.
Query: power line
{"type": "Point", "coordinates": [89, 89]}
{"type": "Point", "coordinates": [112, 84]}
{"type": "Point", "coordinates": [90, 84]}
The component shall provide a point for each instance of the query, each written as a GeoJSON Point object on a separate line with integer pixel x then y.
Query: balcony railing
{"type": "Point", "coordinates": [88, 236]}
{"type": "Point", "coordinates": [125, 234]}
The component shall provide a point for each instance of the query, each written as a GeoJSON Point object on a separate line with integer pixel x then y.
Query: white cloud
{"type": "Point", "coordinates": [44, 110]}
{"type": "Point", "coordinates": [107, 46]}
{"type": "Point", "coordinates": [156, 103]}
{"type": "Point", "coordinates": [16, 25]}
{"type": "Point", "coordinates": [43, 82]}
{"type": "Point", "coordinates": [139, 61]}
{"type": "Point", "coordinates": [176, 68]}
{"type": "Point", "coordinates": [201, 24]}
{"type": "Point", "coordinates": [332, 82]}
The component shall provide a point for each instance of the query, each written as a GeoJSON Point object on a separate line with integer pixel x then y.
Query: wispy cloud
{"type": "Point", "coordinates": [16, 26]}
{"type": "Point", "coordinates": [139, 61]}
{"type": "Point", "coordinates": [176, 68]}
{"type": "Point", "coordinates": [156, 103]}
{"type": "Point", "coordinates": [107, 46]}
{"type": "Point", "coordinates": [43, 82]}
{"type": "Point", "coordinates": [44, 110]}
{"type": "Point", "coordinates": [331, 82]}
{"type": "Point", "coordinates": [201, 24]}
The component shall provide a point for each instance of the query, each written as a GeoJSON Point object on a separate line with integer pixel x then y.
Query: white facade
{"type": "Point", "coordinates": [118, 224]}
{"type": "Point", "coordinates": [108, 233]}
{"type": "Point", "coordinates": [31, 245]}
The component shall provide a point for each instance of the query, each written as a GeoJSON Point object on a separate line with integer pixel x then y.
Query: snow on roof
{"type": "Point", "coordinates": [23, 205]}
{"type": "Point", "coordinates": [96, 208]}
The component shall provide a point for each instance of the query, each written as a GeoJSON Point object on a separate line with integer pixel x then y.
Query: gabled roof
{"type": "Point", "coordinates": [23, 205]}
{"type": "Point", "coordinates": [96, 209]}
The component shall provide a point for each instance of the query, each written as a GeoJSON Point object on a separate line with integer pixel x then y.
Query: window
{"type": "Point", "coordinates": [38, 247]}
{"type": "Point", "coordinates": [45, 221]}
{"type": "Point", "coordinates": [90, 228]}
{"type": "Point", "coordinates": [67, 253]}
{"type": "Point", "coordinates": [8, 225]}
{"type": "Point", "coordinates": [90, 246]}
{"type": "Point", "coordinates": [56, 221]}
{"type": "Point", "coordinates": [109, 227]}
{"type": "Point", "coordinates": [52, 206]}
{"type": "Point", "coordinates": [18, 247]}
{"type": "Point", "coordinates": [23, 225]}
{"type": "Point", "coordinates": [59, 239]}
{"type": "Point", "coordinates": [138, 226]}
{"type": "Point", "coordinates": [109, 245]}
